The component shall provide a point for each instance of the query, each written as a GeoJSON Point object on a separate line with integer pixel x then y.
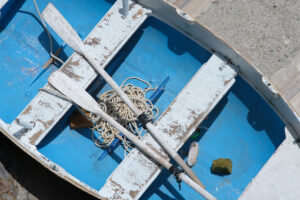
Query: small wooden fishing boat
{"type": "Point", "coordinates": [207, 93]}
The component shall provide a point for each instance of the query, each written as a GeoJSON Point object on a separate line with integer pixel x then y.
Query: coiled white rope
{"type": "Point", "coordinates": [103, 134]}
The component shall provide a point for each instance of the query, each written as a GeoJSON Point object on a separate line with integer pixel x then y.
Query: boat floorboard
{"type": "Point", "coordinates": [136, 172]}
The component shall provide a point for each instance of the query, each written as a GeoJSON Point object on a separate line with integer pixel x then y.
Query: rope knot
{"type": "Point", "coordinates": [176, 172]}
{"type": "Point", "coordinates": [144, 120]}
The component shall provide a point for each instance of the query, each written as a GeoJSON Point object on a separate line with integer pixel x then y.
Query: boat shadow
{"type": "Point", "coordinates": [44, 40]}
{"type": "Point", "coordinates": [34, 177]}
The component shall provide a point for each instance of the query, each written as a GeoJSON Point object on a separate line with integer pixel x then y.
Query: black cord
{"type": "Point", "coordinates": [176, 172]}
{"type": "Point", "coordinates": [144, 120]}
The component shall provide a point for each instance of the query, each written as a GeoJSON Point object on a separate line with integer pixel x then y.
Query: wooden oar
{"type": "Point", "coordinates": [70, 89]}
{"type": "Point", "coordinates": [60, 25]}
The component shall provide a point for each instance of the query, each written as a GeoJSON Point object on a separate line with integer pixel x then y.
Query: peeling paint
{"type": "Point", "coordinates": [92, 41]}
{"type": "Point", "coordinates": [73, 63]}
{"type": "Point", "coordinates": [68, 70]}
{"type": "Point", "coordinates": [133, 193]}
{"type": "Point", "coordinates": [45, 104]}
{"type": "Point", "coordinates": [35, 137]}
{"type": "Point", "coordinates": [139, 13]}
{"type": "Point", "coordinates": [27, 110]}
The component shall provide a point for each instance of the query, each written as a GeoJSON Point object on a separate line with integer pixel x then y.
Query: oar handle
{"type": "Point", "coordinates": [153, 154]}
{"type": "Point", "coordinates": [196, 187]}
{"type": "Point", "coordinates": [173, 154]}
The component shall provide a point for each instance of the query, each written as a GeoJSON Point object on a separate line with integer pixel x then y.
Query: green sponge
{"type": "Point", "coordinates": [221, 166]}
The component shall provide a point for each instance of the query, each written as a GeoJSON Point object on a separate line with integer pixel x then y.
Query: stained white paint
{"type": "Point", "coordinates": [134, 175]}
{"type": "Point", "coordinates": [210, 40]}
{"type": "Point", "coordinates": [42, 159]}
{"type": "Point", "coordinates": [269, 85]}
{"type": "Point", "coordinates": [112, 32]}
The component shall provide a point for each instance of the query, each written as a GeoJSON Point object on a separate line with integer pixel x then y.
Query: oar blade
{"type": "Point", "coordinates": [70, 88]}
{"type": "Point", "coordinates": [61, 26]}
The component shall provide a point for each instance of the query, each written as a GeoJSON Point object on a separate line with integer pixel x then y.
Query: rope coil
{"type": "Point", "coordinates": [103, 134]}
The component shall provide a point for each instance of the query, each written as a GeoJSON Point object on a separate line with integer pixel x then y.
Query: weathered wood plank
{"type": "Point", "coordinates": [104, 42]}
{"type": "Point", "coordinates": [133, 176]}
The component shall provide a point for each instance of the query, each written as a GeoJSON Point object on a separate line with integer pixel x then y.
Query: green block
{"type": "Point", "coordinates": [221, 166]}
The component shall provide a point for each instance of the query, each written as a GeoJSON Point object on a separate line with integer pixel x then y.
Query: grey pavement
{"type": "Point", "coordinates": [265, 31]}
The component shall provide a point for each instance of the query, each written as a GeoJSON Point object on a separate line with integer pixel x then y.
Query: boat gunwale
{"type": "Point", "coordinates": [248, 71]}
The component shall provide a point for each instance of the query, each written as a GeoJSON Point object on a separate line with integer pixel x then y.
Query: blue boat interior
{"type": "Point", "coordinates": [242, 127]}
